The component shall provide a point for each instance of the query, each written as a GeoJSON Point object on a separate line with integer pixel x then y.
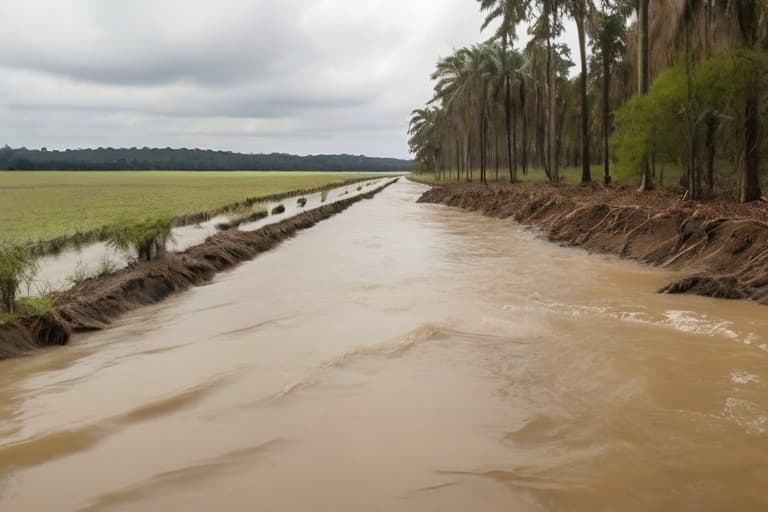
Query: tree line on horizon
{"type": "Point", "coordinates": [675, 85]}
{"type": "Point", "coordinates": [125, 159]}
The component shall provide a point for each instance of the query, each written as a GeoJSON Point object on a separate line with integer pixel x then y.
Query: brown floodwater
{"type": "Point", "coordinates": [401, 357]}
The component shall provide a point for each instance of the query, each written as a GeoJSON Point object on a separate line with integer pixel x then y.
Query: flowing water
{"type": "Point", "coordinates": [401, 357]}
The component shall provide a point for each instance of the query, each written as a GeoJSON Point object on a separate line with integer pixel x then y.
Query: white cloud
{"type": "Point", "coordinates": [301, 76]}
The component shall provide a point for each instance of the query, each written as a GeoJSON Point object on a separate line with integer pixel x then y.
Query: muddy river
{"type": "Point", "coordinates": [401, 357]}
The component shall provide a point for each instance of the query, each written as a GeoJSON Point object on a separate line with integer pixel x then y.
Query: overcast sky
{"type": "Point", "coordinates": [297, 76]}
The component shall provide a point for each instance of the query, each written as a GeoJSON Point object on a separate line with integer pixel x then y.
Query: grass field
{"type": "Point", "coordinates": [43, 205]}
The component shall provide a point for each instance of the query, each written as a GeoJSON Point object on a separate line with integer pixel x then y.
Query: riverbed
{"type": "Point", "coordinates": [401, 356]}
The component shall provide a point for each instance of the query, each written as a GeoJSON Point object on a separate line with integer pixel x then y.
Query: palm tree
{"type": "Point", "coordinates": [425, 137]}
{"type": "Point", "coordinates": [752, 16]}
{"type": "Point", "coordinates": [579, 10]}
{"type": "Point", "coordinates": [546, 28]}
{"type": "Point", "coordinates": [511, 13]}
{"type": "Point", "coordinates": [609, 32]}
{"type": "Point", "coordinates": [643, 78]}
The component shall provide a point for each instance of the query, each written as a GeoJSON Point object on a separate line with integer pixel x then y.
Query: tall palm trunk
{"type": "Point", "coordinates": [711, 129]}
{"type": "Point", "coordinates": [524, 112]}
{"type": "Point", "coordinates": [554, 174]}
{"type": "Point", "coordinates": [606, 115]}
{"type": "Point", "coordinates": [514, 144]}
{"type": "Point", "coordinates": [644, 79]}
{"type": "Point", "coordinates": [586, 172]}
{"type": "Point", "coordinates": [508, 112]}
{"type": "Point", "coordinates": [750, 177]}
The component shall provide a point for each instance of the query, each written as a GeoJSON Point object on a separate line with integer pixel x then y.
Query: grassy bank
{"type": "Point", "coordinates": [43, 205]}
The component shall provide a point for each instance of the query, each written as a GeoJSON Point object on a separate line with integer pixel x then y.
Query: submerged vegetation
{"type": "Point", "coordinates": [671, 93]}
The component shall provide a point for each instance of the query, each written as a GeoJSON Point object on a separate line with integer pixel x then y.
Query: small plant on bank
{"type": "Point", "coordinates": [17, 267]}
{"type": "Point", "coordinates": [37, 306]}
{"type": "Point", "coordinates": [80, 274]}
{"type": "Point", "coordinates": [106, 267]}
{"type": "Point", "coordinates": [278, 209]}
{"type": "Point", "coordinates": [148, 239]}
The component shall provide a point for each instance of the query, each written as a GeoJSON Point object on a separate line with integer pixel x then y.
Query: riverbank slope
{"type": "Point", "coordinates": [725, 245]}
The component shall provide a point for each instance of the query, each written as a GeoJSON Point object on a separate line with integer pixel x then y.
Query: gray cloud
{"type": "Point", "coordinates": [302, 76]}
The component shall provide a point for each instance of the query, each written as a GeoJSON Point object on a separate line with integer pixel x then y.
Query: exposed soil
{"type": "Point", "coordinates": [726, 243]}
{"type": "Point", "coordinates": [95, 303]}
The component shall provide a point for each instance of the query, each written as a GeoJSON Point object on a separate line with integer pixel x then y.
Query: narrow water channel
{"type": "Point", "coordinates": [401, 357]}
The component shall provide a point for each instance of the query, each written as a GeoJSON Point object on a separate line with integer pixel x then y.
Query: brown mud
{"type": "Point", "coordinates": [95, 303]}
{"type": "Point", "coordinates": [725, 244]}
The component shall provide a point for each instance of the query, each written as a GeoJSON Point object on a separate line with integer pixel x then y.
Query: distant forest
{"type": "Point", "coordinates": [125, 159]}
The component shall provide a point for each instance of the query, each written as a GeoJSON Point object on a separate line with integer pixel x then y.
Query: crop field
{"type": "Point", "coordinates": [43, 205]}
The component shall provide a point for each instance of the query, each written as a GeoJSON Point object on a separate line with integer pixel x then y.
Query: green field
{"type": "Point", "coordinates": [43, 205]}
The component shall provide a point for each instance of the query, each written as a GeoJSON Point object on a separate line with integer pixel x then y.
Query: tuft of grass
{"type": "Point", "coordinates": [37, 306]}
{"type": "Point", "coordinates": [277, 210]}
{"type": "Point", "coordinates": [302, 202]}
{"type": "Point", "coordinates": [28, 307]}
{"type": "Point", "coordinates": [80, 275]}
{"type": "Point", "coordinates": [148, 238]}
{"type": "Point", "coordinates": [106, 267]}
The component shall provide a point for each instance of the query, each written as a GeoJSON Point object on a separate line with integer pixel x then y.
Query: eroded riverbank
{"type": "Point", "coordinates": [726, 245]}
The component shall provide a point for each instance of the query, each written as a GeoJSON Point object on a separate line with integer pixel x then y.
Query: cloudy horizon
{"type": "Point", "coordinates": [295, 76]}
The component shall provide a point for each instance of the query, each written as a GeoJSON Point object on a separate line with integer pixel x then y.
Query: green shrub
{"type": "Point", "coordinates": [671, 121]}
{"type": "Point", "coordinates": [34, 306]}
{"type": "Point", "coordinates": [278, 209]}
{"type": "Point", "coordinates": [17, 267]}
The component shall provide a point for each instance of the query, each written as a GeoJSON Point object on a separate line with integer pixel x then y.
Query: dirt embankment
{"type": "Point", "coordinates": [94, 304]}
{"type": "Point", "coordinates": [727, 243]}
